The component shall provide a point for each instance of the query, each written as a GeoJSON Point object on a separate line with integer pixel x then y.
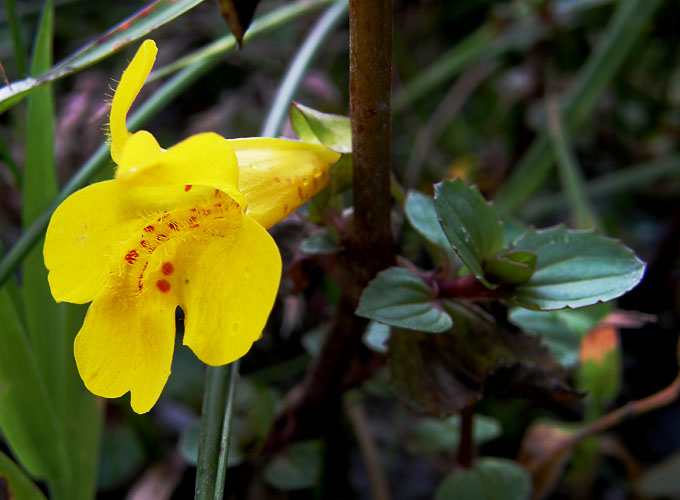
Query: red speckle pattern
{"type": "Point", "coordinates": [131, 256]}
{"type": "Point", "coordinates": [187, 187]}
{"type": "Point", "coordinates": [163, 285]}
{"type": "Point", "coordinates": [148, 229]}
{"type": "Point", "coordinates": [167, 268]}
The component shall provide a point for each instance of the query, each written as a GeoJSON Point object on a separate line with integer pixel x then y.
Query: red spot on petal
{"type": "Point", "coordinates": [162, 237]}
{"type": "Point", "coordinates": [285, 209]}
{"type": "Point", "coordinates": [277, 179]}
{"type": "Point", "coordinates": [173, 225]}
{"type": "Point", "coordinates": [148, 229]}
{"type": "Point", "coordinates": [131, 256]}
{"type": "Point", "coordinates": [163, 285]}
{"type": "Point", "coordinates": [218, 192]}
{"type": "Point", "coordinates": [167, 268]}
{"type": "Point", "coordinates": [142, 243]}
{"type": "Point", "coordinates": [192, 210]}
{"type": "Point", "coordinates": [300, 192]}
{"type": "Point", "coordinates": [218, 205]}
{"type": "Point", "coordinates": [187, 187]}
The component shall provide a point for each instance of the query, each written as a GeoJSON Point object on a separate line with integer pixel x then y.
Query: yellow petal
{"type": "Point", "coordinates": [130, 84]}
{"type": "Point", "coordinates": [126, 345]}
{"type": "Point", "coordinates": [82, 234]}
{"type": "Point", "coordinates": [277, 176]}
{"type": "Point", "coordinates": [93, 229]}
{"type": "Point", "coordinates": [228, 293]}
{"type": "Point", "coordinates": [203, 159]}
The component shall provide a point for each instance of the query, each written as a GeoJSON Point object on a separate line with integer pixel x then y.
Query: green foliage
{"type": "Point", "coordinates": [560, 331]}
{"type": "Point", "coordinates": [320, 244]}
{"type": "Point", "coordinates": [575, 269]}
{"type": "Point", "coordinates": [488, 479]}
{"type": "Point", "coordinates": [512, 267]}
{"type": "Point", "coordinates": [434, 435]}
{"type": "Point", "coordinates": [442, 374]}
{"type": "Point", "coordinates": [398, 297]}
{"type": "Point", "coordinates": [14, 483]}
{"type": "Point", "coordinates": [470, 224]}
{"type": "Point", "coordinates": [297, 468]}
{"type": "Point", "coordinates": [422, 214]}
{"type": "Point", "coordinates": [333, 131]}
{"type": "Point", "coordinates": [27, 417]}
{"type": "Point", "coordinates": [118, 37]}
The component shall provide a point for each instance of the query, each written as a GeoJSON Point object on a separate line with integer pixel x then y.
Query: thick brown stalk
{"type": "Point", "coordinates": [371, 245]}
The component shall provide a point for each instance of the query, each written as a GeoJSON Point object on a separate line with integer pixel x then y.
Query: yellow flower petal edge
{"type": "Point", "coordinates": [177, 227]}
{"type": "Point", "coordinates": [129, 86]}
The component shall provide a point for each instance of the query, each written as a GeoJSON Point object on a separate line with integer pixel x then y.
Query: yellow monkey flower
{"type": "Point", "coordinates": [178, 227]}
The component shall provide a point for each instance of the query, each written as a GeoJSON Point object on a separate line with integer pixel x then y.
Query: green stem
{"type": "Point", "coordinates": [212, 418]}
{"type": "Point", "coordinates": [225, 440]}
{"type": "Point", "coordinates": [153, 105]}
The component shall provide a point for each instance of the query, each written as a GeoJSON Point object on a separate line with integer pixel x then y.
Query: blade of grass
{"type": "Point", "coordinates": [260, 26]}
{"type": "Point", "coordinates": [604, 62]}
{"type": "Point", "coordinates": [19, 51]}
{"type": "Point", "coordinates": [297, 69]}
{"type": "Point", "coordinates": [44, 318]}
{"type": "Point", "coordinates": [582, 214]}
{"type": "Point", "coordinates": [171, 89]}
{"type": "Point", "coordinates": [77, 415]}
{"type": "Point", "coordinates": [17, 484]}
{"type": "Point", "coordinates": [149, 18]}
{"type": "Point", "coordinates": [621, 181]}
{"type": "Point", "coordinates": [27, 418]}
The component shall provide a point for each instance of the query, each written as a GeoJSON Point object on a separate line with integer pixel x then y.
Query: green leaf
{"type": "Point", "coordinates": [133, 28]}
{"type": "Point", "coordinates": [333, 131]}
{"type": "Point", "coordinates": [512, 267]}
{"type": "Point", "coordinates": [470, 224]}
{"type": "Point", "coordinates": [442, 374]}
{"type": "Point", "coordinates": [435, 435]}
{"type": "Point", "coordinates": [376, 337]}
{"type": "Point", "coordinates": [560, 331]}
{"type": "Point", "coordinates": [122, 455]}
{"type": "Point", "coordinates": [296, 469]}
{"type": "Point", "coordinates": [575, 269]}
{"type": "Point", "coordinates": [238, 14]}
{"type": "Point", "coordinates": [320, 244]}
{"type": "Point", "coordinates": [14, 483]}
{"type": "Point", "coordinates": [488, 479]}
{"type": "Point", "coordinates": [399, 297]}
{"type": "Point", "coordinates": [422, 214]}
{"type": "Point", "coordinates": [27, 419]}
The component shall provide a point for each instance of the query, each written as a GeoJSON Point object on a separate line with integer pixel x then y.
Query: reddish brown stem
{"type": "Point", "coordinates": [468, 288]}
{"type": "Point", "coordinates": [371, 245]}
{"type": "Point", "coordinates": [466, 446]}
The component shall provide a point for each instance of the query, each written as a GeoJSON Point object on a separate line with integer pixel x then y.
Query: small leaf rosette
{"type": "Point", "coordinates": [184, 226]}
